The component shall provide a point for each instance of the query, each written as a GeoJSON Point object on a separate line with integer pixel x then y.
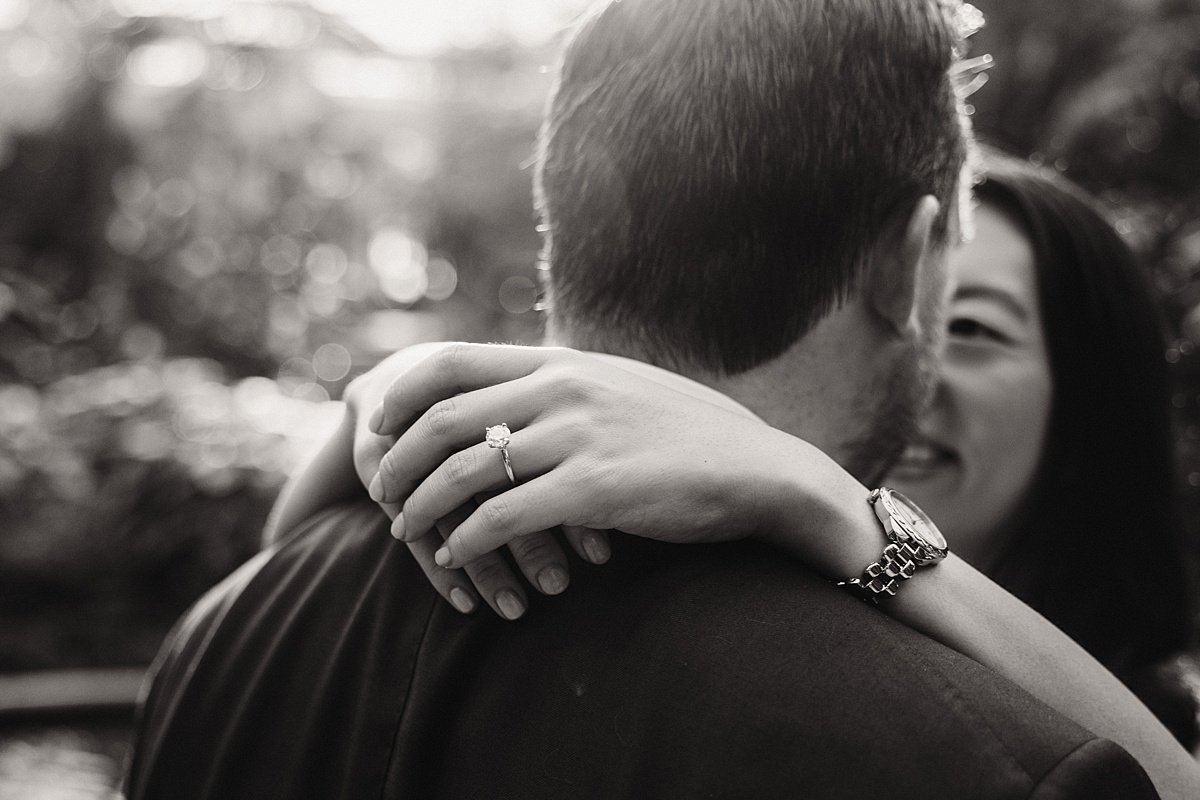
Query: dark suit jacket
{"type": "Point", "coordinates": [327, 668]}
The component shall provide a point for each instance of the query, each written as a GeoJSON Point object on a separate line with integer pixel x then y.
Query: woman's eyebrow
{"type": "Point", "coordinates": [997, 295]}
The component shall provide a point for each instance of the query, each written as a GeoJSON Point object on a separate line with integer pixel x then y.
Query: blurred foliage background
{"type": "Point", "coordinates": [213, 213]}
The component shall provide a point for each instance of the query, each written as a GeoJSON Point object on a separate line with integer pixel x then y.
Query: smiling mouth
{"type": "Point", "coordinates": [922, 456]}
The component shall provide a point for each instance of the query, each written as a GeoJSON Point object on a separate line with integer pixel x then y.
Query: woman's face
{"type": "Point", "coordinates": [983, 435]}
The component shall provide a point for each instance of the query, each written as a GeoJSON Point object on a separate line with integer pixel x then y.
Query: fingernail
{"type": "Point", "coordinates": [462, 600]}
{"type": "Point", "coordinates": [509, 604]}
{"type": "Point", "coordinates": [442, 557]}
{"type": "Point", "coordinates": [596, 549]}
{"type": "Point", "coordinates": [398, 527]}
{"type": "Point", "coordinates": [376, 419]}
{"type": "Point", "coordinates": [552, 580]}
{"type": "Point", "coordinates": [376, 488]}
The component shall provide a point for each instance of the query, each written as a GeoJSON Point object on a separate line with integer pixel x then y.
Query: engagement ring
{"type": "Point", "coordinates": [497, 438]}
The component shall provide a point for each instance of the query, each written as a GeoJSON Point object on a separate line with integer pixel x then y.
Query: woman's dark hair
{"type": "Point", "coordinates": [1098, 546]}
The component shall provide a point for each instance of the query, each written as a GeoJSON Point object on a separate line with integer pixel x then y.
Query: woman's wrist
{"type": "Point", "coordinates": [817, 512]}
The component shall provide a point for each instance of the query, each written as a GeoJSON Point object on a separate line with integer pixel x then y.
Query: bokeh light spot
{"type": "Point", "coordinates": [125, 235]}
{"type": "Point", "coordinates": [413, 155]}
{"type": "Point", "coordinates": [78, 320]}
{"type": "Point", "coordinates": [167, 63]}
{"type": "Point", "coordinates": [518, 294]}
{"type": "Point", "coordinates": [29, 56]}
{"type": "Point", "coordinates": [326, 263]}
{"type": "Point", "coordinates": [106, 61]}
{"type": "Point", "coordinates": [1144, 134]}
{"type": "Point", "coordinates": [443, 279]}
{"type": "Point", "coordinates": [281, 255]}
{"type": "Point", "coordinates": [399, 263]}
{"type": "Point", "coordinates": [331, 362]}
{"type": "Point", "coordinates": [242, 72]}
{"type": "Point", "coordinates": [332, 177]}
{"type": "Point", "coordinates": [175, 197]}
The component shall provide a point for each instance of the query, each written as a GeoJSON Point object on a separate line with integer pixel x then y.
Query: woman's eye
{"type": "Point", "coordinates": [967, 328]}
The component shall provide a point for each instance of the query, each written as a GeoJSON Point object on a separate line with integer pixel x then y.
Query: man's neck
{"type": "Point", "coordinates": [824, 389]}
{"type": "Point", "coordinates": [702, 387]}
{"type": "Point", "coordinates": [678, 382]}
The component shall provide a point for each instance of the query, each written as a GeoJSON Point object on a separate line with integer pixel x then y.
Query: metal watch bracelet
{"type": "Point", "coordinates": [896, 564]}
{"type": "Point", "coordinates": [912, 540]}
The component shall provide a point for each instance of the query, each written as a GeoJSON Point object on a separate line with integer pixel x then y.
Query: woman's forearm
{"type": "Point", "coordinates": [326, 479]}
{"type": "Point", "coordinates": [960, 607]}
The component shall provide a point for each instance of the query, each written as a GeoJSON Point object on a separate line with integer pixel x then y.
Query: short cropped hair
{"type": "Point", "coordinates": [712, 174]}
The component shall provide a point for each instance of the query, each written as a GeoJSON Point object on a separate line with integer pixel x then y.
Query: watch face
{"type": "Point", "coordinates": [915, 522]}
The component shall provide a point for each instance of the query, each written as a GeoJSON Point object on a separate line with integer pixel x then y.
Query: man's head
{"type": "Point", "coordinates": [720, 180]}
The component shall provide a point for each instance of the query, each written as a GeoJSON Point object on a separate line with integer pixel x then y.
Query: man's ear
{"type": "Point", "coordinates": [901, 269]}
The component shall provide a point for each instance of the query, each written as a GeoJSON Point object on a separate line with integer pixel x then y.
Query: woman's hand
{"type": "Point", "coordinates": [592, 445]}
{"type": "Point", "coordinates": [539, 557]}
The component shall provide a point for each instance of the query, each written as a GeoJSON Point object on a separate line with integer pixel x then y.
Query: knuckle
{"type": "Point", "coordinates": [487, 572]}
{"type": "Point", "coordinates": [439, 419]}
{"type": "Point", "coordinates": [587, 469]}
{"type": "Point", "coordinates": [459, 468]}
{"type": "Point", "coordinates": [537, 548]}
{"type": "Point", "coordinates": [442, 580]}
{"type": "Point", "coordinates": [568, 389]}
{"type": "Point", "coordinates": [496, 514]}
{"type": "Point", "coordinates": [451, 358]}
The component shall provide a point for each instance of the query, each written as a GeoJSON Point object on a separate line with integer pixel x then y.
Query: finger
{"type": "Point", "coordinates": [491, 575]}
{"type": "Point", "coordinates": [497, 584]}
{"type": "Point", "coordinates": [520, 511]}
{"type": "Point", "coordinates": [474, 471]}
{"type": "Point", "coordinates": [588, 543]}
{"type": "Point", "coordinates": [453, 370]}
{"type": "Point", "coordinates": [450, 426]}
{"type": "Point", "coordinates": [369, 451]}
{"type": "Point", "coordinates": [452, 584]}
{"type": "Point", "coordinates": [542, 561]}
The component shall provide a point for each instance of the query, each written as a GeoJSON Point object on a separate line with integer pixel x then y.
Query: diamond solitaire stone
{"type": "Point", "coordinates": [497, 436]}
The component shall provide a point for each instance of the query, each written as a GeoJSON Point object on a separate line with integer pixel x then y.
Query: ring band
{"type": "Point", "coordinates": [497, 438]}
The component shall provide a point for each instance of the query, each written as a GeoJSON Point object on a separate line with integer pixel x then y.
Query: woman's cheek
{"type": "Point", "coordinates": [1010, 422]}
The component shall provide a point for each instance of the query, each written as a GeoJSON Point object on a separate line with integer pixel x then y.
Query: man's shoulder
{"type": "Point", "coordinates": [757, 663]}
{"type": "Point", "coordinates": [670, 672]}
{"type": "Point", "coordinates": [273, 684]}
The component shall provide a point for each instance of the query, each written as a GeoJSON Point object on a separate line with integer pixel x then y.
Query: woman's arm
{"type": "Point", "coordinates": [966, 611]}
{"type": "Point", "coordinates": [963, 609]}
{"type": "Point", "coordinates": [611, 449]}
{"type": "Point", "coordinates": [326, 479]}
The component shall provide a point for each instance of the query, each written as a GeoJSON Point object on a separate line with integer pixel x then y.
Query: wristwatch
{"type": "Point", "coordinates": [913, 541]}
